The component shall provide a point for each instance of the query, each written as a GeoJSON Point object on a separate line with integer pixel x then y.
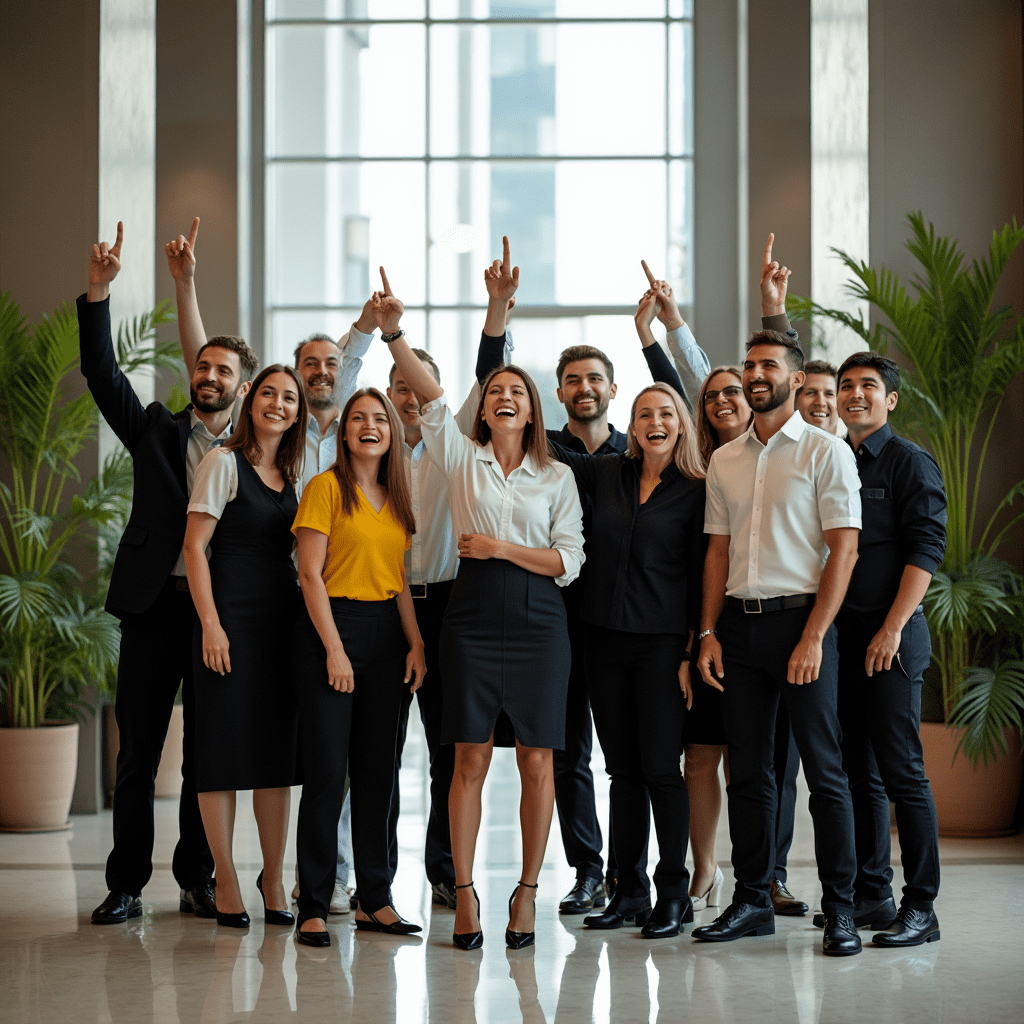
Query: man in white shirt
{"type": "Point", "coordinates": [783, 513]}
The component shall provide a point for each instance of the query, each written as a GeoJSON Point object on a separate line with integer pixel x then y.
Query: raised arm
{"type": "Point", "coordinates": [774, 282]}
{"type": "Point", "coordinates": [387, 311]}
{"type": "Point", "coordinates": [181, 261]}
{"type": "Point", "coordinates": [501, 280]}
{"type": "Point", "coordinates": [353, 347]}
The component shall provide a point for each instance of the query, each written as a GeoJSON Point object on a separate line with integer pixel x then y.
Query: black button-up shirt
{"type": "Point", "coordinates": [644, 562]}
{"type": "Point", "coordinates": [904, 516]}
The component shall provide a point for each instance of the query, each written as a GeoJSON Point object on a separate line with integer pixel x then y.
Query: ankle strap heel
{"type": "Point", "coordinates": [469, 940]}
{"type": "Point", "coordinates": [517, 940]}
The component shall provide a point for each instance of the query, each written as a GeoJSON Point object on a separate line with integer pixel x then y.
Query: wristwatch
{"type": "Point", "coordinates": [388, 338]}
{"type": "Point", "coordinates": [706, 632]}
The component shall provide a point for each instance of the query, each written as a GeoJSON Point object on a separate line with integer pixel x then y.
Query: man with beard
{"type": "Point", "coordinates": [149, 590]}
{"type": "Point", "coordinates": [783, 513]}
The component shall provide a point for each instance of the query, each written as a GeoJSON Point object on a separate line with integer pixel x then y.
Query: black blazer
{"type": "Point", "coordinates": [157, 440]}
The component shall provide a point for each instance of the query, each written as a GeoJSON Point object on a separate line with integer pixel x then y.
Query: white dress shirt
{"type": "Point", "coordinates": [536, 507]}
{"type": "Point", "coordinates": [216, 483]}
{"type": "Point", "coordinates": [200, 441]}
{"type": "Point", "coordinates": [776, 501]}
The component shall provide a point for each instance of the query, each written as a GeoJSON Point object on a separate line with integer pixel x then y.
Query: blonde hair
{"type": "Point", "coordinates": [684, 454]}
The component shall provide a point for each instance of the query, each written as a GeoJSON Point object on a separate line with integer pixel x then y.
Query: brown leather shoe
{"type": "Point", "coordinates": [784, 902]}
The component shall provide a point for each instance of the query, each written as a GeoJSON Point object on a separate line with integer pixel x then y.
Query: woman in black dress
{"type": "Point", "coordinates": [242, 506]}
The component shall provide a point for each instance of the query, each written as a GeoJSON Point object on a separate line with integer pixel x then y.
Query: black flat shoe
{"type": "Point", "coordinates": [840, 937]}
{"type": "Point", "coordinates": [911, 928]}
{"type": "Point", "coordinates": [620, 910]}
{"type": "Point", "coordinates": [586, 895]}
{"type": "Point", "coordinates": [736, 921]}
{"type": "Point", "coordinates": [519, 940]}
{"type": "Point", "coordinates": [469, 940]}
{"type": "Point", "coordinates": [399, 927]}
{"type": "Point", "coordinates": [273, 916]}
{"type": "Point", "coordinates": [316, 939]}
{"type": "Point", "coordinates": [117, 908]}
{"type": "Point", "coordinates": [667, 918]}
{"type": "Point", "coordinates": [199, 901]}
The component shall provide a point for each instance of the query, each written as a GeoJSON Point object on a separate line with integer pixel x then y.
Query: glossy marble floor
{"type": "Point", "coordinates": [173, 969]}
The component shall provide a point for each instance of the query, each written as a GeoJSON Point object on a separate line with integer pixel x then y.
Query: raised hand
{"type": "Point", "coordinates": [387, 309]}
{"type": "Point", "coordinates": [181, 257]}
{"type": "Point", "coordinates": [501, 278]}
{"type": "Point", "coordinates": [104, 264]}
{"type": "Point", "coordinates": [774, 282]}
{"type": "Point", "coordinates": [646, 311]}
{"type": "Point", "coordinates": [667, 312]}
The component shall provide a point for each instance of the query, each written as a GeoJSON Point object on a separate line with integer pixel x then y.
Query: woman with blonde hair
{"type": "Point", "coordinates": [355, 646]}
{"type": "Point", "coordinates": [642, 603]}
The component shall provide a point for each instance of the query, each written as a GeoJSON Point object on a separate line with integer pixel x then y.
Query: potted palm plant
{"type": "Point", "coordinates": [55, 638]}
{"type": "Point", "coordinates": [959, 356]}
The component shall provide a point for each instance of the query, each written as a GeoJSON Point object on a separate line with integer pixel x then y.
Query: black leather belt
{"type": "Point", "coordinates": [759, 605]}
{"type": "Point", "coordinates": [419, 590]}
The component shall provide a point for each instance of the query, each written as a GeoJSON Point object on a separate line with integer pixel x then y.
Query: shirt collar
{"type": "Point", "coordinates": [616, 442]}
{"type": "Point", "coordinates": [793, 428]}
{"type": "Point", "coordinates": [875, 442]}
{"type": "Point", "coordinates": [485, 453]}
{"type": "Point", "coordinates": [194, 421]}
{"type": "Point", "coordinates": [314, 428]}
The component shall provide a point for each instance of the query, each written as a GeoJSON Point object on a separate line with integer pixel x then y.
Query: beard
{"type": "Point", "coordinates": [766, 403]}
{"type": "Point", "coordinates": [600, 408]}
{"type": "Point", "coordinates": [223, 400]}
{"type": "Point", "coordinates": [318, 401]}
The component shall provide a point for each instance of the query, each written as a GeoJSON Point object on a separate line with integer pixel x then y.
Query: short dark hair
{"type": "Point", "coordinates": [574, 353]}
{"type": "Point", "coordinates": [820, 367]}
{"type": "Point", "coordinates": [883, 365]}
{"type": "Point", "coordinates": [424, 357]}
{"type": "Point", "coordinates": [315, 336]}
{"type": "Point", "coordinates": [246, 356]}
{"type": "Point", "coordinates": [794, 353]}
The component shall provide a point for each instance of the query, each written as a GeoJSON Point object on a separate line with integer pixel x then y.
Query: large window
{"type": "Point", "coordinates": [414, 134]}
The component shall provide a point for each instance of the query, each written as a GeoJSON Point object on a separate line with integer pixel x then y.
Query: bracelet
{"type": "Point", "coordinates": [706, 632]}
{"type": "Point", "coordinates": [388, 338]}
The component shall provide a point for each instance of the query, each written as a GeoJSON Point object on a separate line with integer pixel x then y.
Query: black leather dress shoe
{"type": "Point", "coordinates": [667, 918]}
{"type": "Point", "coordinates": [117, 908]}
{"type": "Point", "coordinates": [736, 921]}
{"type": "Point", "coordinates": [586, 895]}
{"type": "Point", "coordinates": [199, 901]}
{"type": "Point", "coordinates": [840, 937]}
{"type": "Point", "coordinates": [873, 914]}
{"type": "Point", "coordinates": [620, 910]}
{"type": "Point", "coordinates": [785, 903]}
{"type": "Point", "coordinates": [911, 928]}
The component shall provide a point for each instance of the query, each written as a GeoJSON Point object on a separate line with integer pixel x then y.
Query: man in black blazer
{"type": "Point", "coordinates": [149, 591]}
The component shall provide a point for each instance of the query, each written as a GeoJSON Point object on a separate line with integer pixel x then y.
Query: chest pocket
{"type": "Point", "coordinates": [878, 515]}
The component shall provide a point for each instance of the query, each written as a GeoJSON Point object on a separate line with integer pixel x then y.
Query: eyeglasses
{"type": "Point", "coordinates": [730, 392]}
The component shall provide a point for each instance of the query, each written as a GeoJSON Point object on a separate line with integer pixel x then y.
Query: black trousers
{"type": "Point", "coordinates": [639, 711]}
{"type": "Point", "coordinates": [881, 721]}
{"type": "Point", "coordinates": [437, 850]}
{"type": "Point", "coordinates": [574, 781]}
{"type": "Point", "coordinates": [787, 767]}
{"type": "Point", "coordinates": [359, 728]}
{"type": "Point", "coordinates": [756, 651]}
{"type": "Point", "coordinates": [156, 657]}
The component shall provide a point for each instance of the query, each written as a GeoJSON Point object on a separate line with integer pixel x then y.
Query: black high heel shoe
{"type": "Point", "coordinates": [469, 940]}
{"type": "Point", "coordinates": [667, 918]}
{"type": "Point", "coordinates": [518, 940]}
{"type": "Point", "coordinates": [273, 916]}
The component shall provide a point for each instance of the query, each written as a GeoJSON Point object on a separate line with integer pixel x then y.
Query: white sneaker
{"type": "Point", "coordinates": [341, 900]}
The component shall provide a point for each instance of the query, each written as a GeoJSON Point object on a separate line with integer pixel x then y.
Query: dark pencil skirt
{"type": "Point", "coordinates": [505, 657]}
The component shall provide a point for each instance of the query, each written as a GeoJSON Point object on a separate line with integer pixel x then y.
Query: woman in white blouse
{"type": "Point", "coordinates": [504, 645]}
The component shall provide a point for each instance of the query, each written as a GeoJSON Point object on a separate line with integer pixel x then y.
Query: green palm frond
{"type": "Point", "coordinates": [992, 701]}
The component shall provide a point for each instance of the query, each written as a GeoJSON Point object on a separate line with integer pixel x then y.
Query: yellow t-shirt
{"type": "Point", "coordinates": [365, 551]}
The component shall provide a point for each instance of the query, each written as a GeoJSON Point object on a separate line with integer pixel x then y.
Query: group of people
{"type": "Point", "coordinates": [726, 578]}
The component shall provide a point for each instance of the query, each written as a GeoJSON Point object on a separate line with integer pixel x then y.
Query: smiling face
{"type": "Point", "coordinates": [767, 379]}
{"type": "Point", "coordinates": [585, 390]}
{"type": "Point", "coordinates": [318, 366]}
{"type": "Point", "coordinates": [506, 406]}
{"type": "Point", "coordinates": [817, 401]}
{"type": "Point", "coordinates": [655, 424]}
{"type": "Point", "coordinates": [216, 380]}
{"type": "Point", "coordinates": [863, 403]}
{"type": "Point", "coordinates": [404, 400]}
{"type": "Point", "coordinates": [726, 407]}
{"type": "Point", "coordinates": [367, 428]}
{"type": "Point", "coordinates": [275, 404]}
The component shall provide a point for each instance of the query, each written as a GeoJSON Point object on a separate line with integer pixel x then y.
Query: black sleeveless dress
{"type": "Point", "coordinates": [247, 720]}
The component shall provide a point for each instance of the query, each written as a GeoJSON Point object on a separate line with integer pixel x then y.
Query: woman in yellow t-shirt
{"type": "Point", "coordinates": [355, 645]}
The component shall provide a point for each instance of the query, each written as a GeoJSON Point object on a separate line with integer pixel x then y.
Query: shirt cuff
{"type": "Point", "coordinates": [922, 561]}
{"type": "Point", "coordinates": [357, 343]}
{"type": "Point", "coordinates": [840, 524]}
{"type": "Point", "coordinates": [721, 531]}
{"type": "Point", "coordinates": [210, 510]}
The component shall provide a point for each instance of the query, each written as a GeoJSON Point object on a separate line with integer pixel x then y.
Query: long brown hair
{"type": "Point", "coordinates": [293, 442]}
{"type": "Point", "coordinates": [390, 473]}
{"type": "Point", "coordinates": [707, 435]}
{"type": "Point", "coordinates": [684, 453]}
{"type": "Point", "coordinates": [535, 441]}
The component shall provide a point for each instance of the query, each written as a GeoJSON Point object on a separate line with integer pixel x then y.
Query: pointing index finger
{"type": "Point", "coordinates": [116, 250]}
{"type": "Point", "coordinates": [192, 234]}
{"type": "Point", "coordinates": [768, 249]}
{"type": "Point", "coordinates": [384, 278]}
{"type": "Point", "coordinates": [647, 271]}
{"type": "Point", "coordinates": [506, 258]}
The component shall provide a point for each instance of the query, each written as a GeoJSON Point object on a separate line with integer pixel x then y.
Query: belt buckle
{"type": "Point", "coordinates": [750, 601]}
{"type": "Point", "coordinates": [418, 590]}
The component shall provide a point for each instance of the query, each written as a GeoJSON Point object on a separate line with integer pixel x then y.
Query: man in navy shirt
{"type": "Point", "coordinates": [884, 648]}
